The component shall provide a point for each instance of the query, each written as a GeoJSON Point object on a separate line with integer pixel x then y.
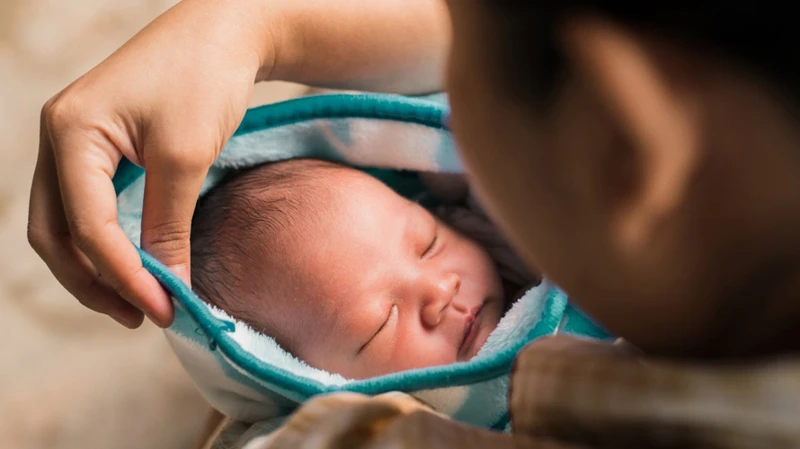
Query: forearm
{"type": "Point", "coordinates": [379, 45]}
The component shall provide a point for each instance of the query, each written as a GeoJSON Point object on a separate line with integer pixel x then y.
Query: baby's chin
{"type": "Point", "coordinates": [481, 338]}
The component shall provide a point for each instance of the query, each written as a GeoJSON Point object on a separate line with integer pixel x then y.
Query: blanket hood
{"type": "Point", "coordinates": [245, 374]}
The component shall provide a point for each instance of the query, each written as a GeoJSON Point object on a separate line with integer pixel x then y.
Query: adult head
{"type": "Point", "coordinates": [645, 157]}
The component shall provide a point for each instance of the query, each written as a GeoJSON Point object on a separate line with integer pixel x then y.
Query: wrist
{"type": "Point", "coordinates": [260, 23]}
{"type": "Point", "coordinates": [241, 32]}
{"type": "Point", "coordinates": [265, 20]}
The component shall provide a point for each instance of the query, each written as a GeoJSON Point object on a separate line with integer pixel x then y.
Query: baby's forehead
{"type": "Point", "coordinates": [307, 206]}
{"type": "Point", "coordinates": [297, 206]}
{"type": "Point", "coordinates": [305, 177]}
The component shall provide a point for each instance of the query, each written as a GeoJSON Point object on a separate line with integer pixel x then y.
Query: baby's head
{"type": "Point", "coordinates": [343, 272]}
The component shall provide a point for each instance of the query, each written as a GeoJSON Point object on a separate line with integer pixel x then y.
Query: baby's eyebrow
{"type": "Point", "coordinates": [411, 217]}
{"type": "Point", "coordinates": [406, 219]}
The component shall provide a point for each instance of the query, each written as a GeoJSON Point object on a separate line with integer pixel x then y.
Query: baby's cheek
{"type": "Point", "coordinates": [419, 351]}
{"type": "Point", "coordinates": [409, 350]}
{"type": "Point", "coordinates": [477, 264]}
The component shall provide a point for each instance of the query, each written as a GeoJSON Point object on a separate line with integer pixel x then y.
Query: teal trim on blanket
{"type": "Point", "coordinates": [373, 106]}
{"type": "Point", "coordinates": [214, 333]}
{"type": "Point", "coordinates": [576, 323]}
{"type": "Point", "coordinates": [463, 373]}
{"type": "Point", "coordinates": [127, 173]}
{"type": "Point", "coordinates": [502, 423]}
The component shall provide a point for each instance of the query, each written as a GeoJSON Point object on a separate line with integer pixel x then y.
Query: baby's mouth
{"type": "Point", "coordinates": [471, 327]}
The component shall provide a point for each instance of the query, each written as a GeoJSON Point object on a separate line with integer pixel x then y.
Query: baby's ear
{"type": "Point", "coordinates": [447, 187]}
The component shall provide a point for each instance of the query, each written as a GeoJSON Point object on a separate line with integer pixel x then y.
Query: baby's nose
{"type": "Point", "coordinates": [439, 296]}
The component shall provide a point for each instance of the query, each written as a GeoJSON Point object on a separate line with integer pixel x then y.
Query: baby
{"type": "Point", "coordinates": [343, 272]}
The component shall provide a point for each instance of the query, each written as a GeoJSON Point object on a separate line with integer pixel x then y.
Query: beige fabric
{"type": "Point", "coordinates": [393, 420]}
{"type": "Point", "coordinates": [568, 393]}
{"type": "Point", "coordinates": [72, 378]}
{"type": "Point", "coordinates": [606, 396]}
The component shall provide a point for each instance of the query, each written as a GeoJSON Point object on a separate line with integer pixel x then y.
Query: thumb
{"type": "Point", "coordinates": [170, 196]}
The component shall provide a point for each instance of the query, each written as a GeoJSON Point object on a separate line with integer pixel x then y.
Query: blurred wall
{"type": "Point", "coordinates": [70, 378]}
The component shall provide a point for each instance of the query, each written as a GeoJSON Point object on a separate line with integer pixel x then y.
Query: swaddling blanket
{"type": "Point", "coordinates": [247, 375]}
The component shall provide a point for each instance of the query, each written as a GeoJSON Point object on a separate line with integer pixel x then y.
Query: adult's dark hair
{"type": "Point", "coordinates": [759, 36]}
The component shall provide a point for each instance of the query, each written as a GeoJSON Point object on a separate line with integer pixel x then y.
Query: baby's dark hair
{"type": "Point", "coordinates": [245, 213]}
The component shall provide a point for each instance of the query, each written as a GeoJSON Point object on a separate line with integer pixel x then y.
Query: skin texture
{"type": "Point", "coordinates": [370, 283]}
{"type": "Point", "coordinates": [637, 190]}
{"type": "Point", "coordinates": [657, 209]}
{"type": "Point", "coordinates": [144, 103]}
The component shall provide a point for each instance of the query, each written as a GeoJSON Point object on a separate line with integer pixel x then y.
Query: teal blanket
{"type": "Point", "coordinates": [247, 375]}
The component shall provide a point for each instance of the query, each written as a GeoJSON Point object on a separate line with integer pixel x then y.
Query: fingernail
{"type": "Point", "coordinates": [182, 271]}
{"type": "Point", "coordinates": [157, 321]}
{"type": "Point", "coordinates": [127, 322]}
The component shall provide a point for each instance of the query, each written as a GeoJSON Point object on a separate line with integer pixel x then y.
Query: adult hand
{"type": "Point", "coordinates": [168, 100]}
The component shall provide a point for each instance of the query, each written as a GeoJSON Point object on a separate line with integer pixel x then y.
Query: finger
{"type": "Point", "coordinates": [49, 236]}
{"type": "Point", "coordinates": [83, 281]}
{"type": "Point", "coordinates": [170, 195]}
{"type": "Point", "coordinates": [86, 163]}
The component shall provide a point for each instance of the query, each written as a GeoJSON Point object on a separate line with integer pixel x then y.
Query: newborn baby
{"type": "Point", "coordinates": [341, 271]}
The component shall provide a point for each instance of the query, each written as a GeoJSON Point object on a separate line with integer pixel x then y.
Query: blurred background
{"type": "Point", "coordinates": [70, 378]}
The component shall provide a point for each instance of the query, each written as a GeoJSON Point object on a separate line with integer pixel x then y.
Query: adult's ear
{"type": "Point", "coordinates": [643, 84]}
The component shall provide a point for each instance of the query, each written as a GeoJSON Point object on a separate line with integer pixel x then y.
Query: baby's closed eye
{"type": "Point", "coordinates": [391, 316]}
{"type": "Point", "coordinates": [432, 246]}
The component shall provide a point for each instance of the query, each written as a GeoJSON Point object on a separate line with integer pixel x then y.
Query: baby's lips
{"type": "Point", "coordinates": [472, 327]}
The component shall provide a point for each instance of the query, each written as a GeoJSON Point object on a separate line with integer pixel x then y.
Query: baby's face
{"type": "Point", "coordinates": [374, 284]}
